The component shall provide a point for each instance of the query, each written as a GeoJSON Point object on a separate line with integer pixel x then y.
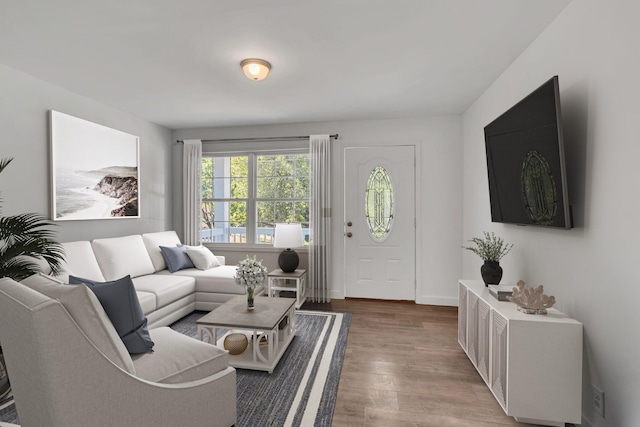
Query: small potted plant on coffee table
{"type": "Point", "coordinates": [491, 249]}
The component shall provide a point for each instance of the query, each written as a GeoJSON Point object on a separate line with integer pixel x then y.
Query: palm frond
{"type": "Point", "coordinates": [4, 163]}
{"type": "Point", "coordinates": [18, 268]}
{"type": "Point", "coordinates": [25, 226]}
{"type": "Point", "coordinates": [24, 240]}
{"type": "Point", "coordinates": [25, 236]}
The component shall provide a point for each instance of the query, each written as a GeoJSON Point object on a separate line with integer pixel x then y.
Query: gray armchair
{"type": "Point", "coordinates": [62, 377]}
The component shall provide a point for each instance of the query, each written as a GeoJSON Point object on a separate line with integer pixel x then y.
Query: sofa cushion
{"type": "Point", "coordinates": [80, 261]}
{"type": "Point", "coordinates": [122, 256]}
{"type": "Point", "coordinates": [178, 358]}
{"type": "Point", "coordinates": [218, 280]}
{"type": "Point", "coordinates": [85, 309]}
{"type": "Point", "coordinates": [203, 258]}
{"type": "Point", "coordinates": [120, 302]}
{"type": "Point", "coordinates": [153, 241]}
{"type": "Point", "coordinates": [166, 288]}
{"type": "Point", "coordinates": [176, 258]}
{"type": "Point", "coordinates": [147, 301]}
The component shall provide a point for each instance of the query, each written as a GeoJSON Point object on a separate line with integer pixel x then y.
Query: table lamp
{"type": "Point", "coordinates": [288, 236]}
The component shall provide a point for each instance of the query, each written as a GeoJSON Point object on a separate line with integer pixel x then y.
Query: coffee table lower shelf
{"type": "Point", "coordinates": [268, 354]}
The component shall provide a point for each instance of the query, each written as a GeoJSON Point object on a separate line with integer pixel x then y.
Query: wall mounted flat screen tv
{"type": "Point", "coordinates": [526, 164]}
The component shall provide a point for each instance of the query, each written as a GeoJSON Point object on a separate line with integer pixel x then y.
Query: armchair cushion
{"type": "Point", "coordinates": [176, 258]}
{"type": "Point", "coordinates": [120, 302]}
{"type": "Point", "coordinates": [83, 306]}
{"type": "Point", "coordinates": [178, 358]}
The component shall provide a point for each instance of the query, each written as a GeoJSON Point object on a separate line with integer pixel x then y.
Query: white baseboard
{"type": "Point", "coordinates": [433, 300]}
{"type": "Point", "coordinates": [333, 294]}
{"type": "Point", "coordinates": [425, 299]}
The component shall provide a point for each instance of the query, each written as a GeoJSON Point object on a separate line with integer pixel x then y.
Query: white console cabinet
{"type": "Point", "coordinates": [531, 363]}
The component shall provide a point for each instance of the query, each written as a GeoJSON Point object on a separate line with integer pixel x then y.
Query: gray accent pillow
{"type": "Point", "coordinates": [120, 302]}
{"type": "Point", "coordinates": [176, 258]}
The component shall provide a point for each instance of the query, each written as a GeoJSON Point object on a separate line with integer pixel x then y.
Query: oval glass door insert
{"type": "Point", "coordinates": [379, 207]}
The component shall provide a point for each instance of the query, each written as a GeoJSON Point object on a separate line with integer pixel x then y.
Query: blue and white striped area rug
{"type": "Point", "coordinates": [302, 389]}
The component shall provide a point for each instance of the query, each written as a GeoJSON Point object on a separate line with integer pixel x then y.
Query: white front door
{"type": "Point", "coordinates": [379, 222]}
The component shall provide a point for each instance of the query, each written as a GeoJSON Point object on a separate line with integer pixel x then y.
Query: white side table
{"type": "Point", "coordinates": [296, 282]}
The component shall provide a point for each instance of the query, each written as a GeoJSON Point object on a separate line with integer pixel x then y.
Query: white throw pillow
{"type": "Point", "coordinates": [202, 257]}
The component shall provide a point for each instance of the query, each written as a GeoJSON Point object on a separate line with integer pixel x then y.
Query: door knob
{"type": "Point", "coordinates": [349, 234]}
{"type": "Point", "coordinates": [349, 224]}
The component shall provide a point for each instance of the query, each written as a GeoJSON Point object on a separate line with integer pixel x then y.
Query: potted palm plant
{"type": "Point", "coordinates": [23, 239]}
{"type": "Point", "coordinates": [491, 249]}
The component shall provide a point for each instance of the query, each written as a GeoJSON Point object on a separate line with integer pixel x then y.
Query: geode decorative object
{"type": "Point", "coordinates": [531, 300]}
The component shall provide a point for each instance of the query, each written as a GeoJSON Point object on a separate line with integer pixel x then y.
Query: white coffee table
{"type": "Point", "coordinates": [270, 328]}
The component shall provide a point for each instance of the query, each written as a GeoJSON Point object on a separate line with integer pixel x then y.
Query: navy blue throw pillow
{"type": "Point", "coordinates": [120, 302]}
{"type": "Point", "coordinates": [176, 258]}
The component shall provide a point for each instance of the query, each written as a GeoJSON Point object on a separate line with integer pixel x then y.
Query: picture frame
{"type": "Point", "coordinates": [95, 170]}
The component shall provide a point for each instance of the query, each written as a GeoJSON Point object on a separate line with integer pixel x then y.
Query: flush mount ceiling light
{"type": "Point", "coordinates": [255, 69]}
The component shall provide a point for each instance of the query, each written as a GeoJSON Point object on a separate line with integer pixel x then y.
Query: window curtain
{"type": "Point", "coordinates": [191, 197]}
{"type": "Point", "coordinates": [320, 218]}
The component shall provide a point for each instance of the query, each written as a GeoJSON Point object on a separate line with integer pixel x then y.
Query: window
{"type": "Point", "coordinates": [244, 196]}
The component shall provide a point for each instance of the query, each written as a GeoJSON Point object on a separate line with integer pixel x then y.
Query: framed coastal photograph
{"type": "Point", "coordinates": [95, 170]}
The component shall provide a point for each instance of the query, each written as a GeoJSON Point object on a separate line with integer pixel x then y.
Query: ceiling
{"type": "Point", "coordinates": [177, 63]}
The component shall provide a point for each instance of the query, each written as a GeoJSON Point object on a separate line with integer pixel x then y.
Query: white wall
{"type": "Point", "coordinates": [24, 135]}
{"type": "Point", "coordinates": [593, 48]}
{"type": "Point", "coordinates": [439, 147]}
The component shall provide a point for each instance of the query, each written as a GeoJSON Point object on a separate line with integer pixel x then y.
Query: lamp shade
{"type": "Point", "coordinates": [288, 235]}
{"type": "Point", "coordinates": [255, 69]}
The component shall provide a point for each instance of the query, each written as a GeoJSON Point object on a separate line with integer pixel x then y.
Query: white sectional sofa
{"type": "Point", "coordinates": [164, 296]}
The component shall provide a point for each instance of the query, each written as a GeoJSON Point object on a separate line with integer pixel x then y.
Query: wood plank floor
{"type": "Point", "coordinates": [404, 367]}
